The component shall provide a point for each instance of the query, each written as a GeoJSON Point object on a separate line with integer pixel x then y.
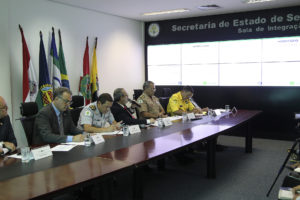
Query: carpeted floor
{"type": "Point", "coordinates": [239, 175]}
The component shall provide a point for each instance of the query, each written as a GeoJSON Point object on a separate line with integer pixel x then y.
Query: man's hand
{"type": "Point", "coordinates": [10, 146]}
{"type": "Point", "coordinates": [78, 138]}
{"type": "Point", "coordinates": [162, 115]}
{"type": "Point", "coordinates": [295, 189]}
{"type": "Point", "coordinates": [118, 125]}
{"type": "Point", "coordinates": [111, 128]}
{"type": "Point", "coordinates": [152, 120]}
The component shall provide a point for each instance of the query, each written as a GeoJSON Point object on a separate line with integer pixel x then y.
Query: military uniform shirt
{"type": "Point", "coordinates": [176, 103]}
{"type": "Point", "coordinates": [92, 116]}
{"type": "Point", "coordinates": [149, 104]}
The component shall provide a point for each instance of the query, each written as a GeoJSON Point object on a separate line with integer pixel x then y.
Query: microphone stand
{"type": "Point", "coordinates": [283, 165]}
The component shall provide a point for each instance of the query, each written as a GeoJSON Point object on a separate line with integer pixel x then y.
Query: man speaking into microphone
{"type": "Point", "coordinates": [123, 113]}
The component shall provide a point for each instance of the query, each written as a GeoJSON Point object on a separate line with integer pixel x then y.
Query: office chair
{"type": "Point", "coordinates": [76, 107]}
{"type": "Point", "coordinates": [167, 92]}
{"type": "Point", "coordinates": [28, 111]}
{"type": "Point", "coordinates": [164, 102]}
{"type": "Point", "coordinates": [137, 93]}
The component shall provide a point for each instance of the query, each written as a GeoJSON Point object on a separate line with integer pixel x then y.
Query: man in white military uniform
{"type": "Point", "coordinates": [95, 116]}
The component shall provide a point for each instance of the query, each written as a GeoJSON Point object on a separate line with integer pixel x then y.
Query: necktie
{"type": "Point", "coordinates": [61, 124]}
{"type": "Point", "coordinates": [125, 107]}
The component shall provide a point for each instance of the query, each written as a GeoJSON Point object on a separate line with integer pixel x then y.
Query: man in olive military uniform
{"type": "Point", "coordinates": [95, 116]}
{"type": "Point", "coordinates": [150, 106]}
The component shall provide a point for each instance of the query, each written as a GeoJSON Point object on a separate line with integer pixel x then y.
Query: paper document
{"type": "Point", "coordinates": [73, 143]}
{"type": "Point", "coordinates": [63, 147]}
{"type": "Point", "coordinates": [176, 117]}
{"type": "Point", "coordinates": [112, 133]}
{"type": "Point", "coordinates": [15, 156]}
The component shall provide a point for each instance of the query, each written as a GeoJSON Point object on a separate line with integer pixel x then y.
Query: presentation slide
{"type": "Point", "coordinates": [253, 62]}
{"type": "Point", "coordinates": [205, 74]}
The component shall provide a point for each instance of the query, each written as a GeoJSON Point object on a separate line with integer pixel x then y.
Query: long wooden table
{"type": "Point", "coordinates": [83, 165]}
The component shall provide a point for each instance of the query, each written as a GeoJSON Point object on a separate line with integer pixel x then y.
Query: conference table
{"type": "Point", "coordinates": [83, 166]}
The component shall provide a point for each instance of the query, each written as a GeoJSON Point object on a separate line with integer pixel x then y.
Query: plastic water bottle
{"type": "Point", "coordinates": [125, 130]}
{"type": "Point", "coordinates": [160, 122]}
{"type": "Point", "coordinates": [87, 140]}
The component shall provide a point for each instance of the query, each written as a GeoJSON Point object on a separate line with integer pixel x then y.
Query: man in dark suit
{"type": "Point", "coordinates": [54, 124]}
{"type": "Point", "coordinates": [122, 113]}
{"type": "Point", "coordinates": [8, 141]}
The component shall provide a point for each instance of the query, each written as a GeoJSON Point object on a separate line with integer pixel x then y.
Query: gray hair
{"type": "Point", "coordinates": [58, 92]}
{"type": "Point", "coordinates": [147, 84]}
{"type": "Point", "coordinates": [118, 93]}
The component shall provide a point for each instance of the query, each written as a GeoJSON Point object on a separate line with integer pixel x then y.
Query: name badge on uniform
{"type": "Point", "coordinates": [167, 121]}
{"type": "Point", "coordinates": [134, 129]}
{"type": "Point", "coordinates": [41, 152]}
{"type": "Point", "coordinates": [97, 138]}
{"type": "Point", "coordinates": [191, 116]}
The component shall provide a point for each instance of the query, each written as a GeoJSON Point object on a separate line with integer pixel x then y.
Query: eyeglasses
{"type": "Point", "coordinates": [66, 101]}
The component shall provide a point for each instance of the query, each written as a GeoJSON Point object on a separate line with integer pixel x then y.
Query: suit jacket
{"type": "Point", "coordinates": [46, 127]}
{"type": "Point", "coordinates": [121, 114]}
{"type": "Point", "coordinates": [6, 131]}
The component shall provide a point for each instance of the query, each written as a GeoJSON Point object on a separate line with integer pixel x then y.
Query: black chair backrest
{"type": "Point", "coordinates": [164, 102]}
{"type": "Point", "coordinates": [28, 111]}
{"type": "Point", "coordinates": [137, 93]}
{"type": "Point", "coordinates": [75, 113]}
{"type": "Point", "coordinates": [167, 92]}
{"type": "Point", "coordinates": [28, 126]}
{"type": "Point", "coordinates": [78, 101]}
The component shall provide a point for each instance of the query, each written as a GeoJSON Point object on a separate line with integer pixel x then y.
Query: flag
{"type": "Point", "coordinates": [62, 64]}
{"type": "Point", "coordinates": [29, 74]}
{"type": "Point", "coordinates": [54, 63]}
{"type": "Point", "coordinates": [94, 75]}
{"type": "Point", "coordinates": [85, 79]}
{"type": "Point", "coordinates": [45, 89]}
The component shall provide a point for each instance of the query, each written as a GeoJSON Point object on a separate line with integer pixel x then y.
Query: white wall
{"type": "Point", "coordinates": [5, 87]}
{"type": "Point", "coordinates": [120, 50]}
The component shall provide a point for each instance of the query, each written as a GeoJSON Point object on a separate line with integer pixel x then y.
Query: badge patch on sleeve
{"type": "Point", "coordinates": [87, 113]}
{"type": "Point", "coordinates": [140, 101]}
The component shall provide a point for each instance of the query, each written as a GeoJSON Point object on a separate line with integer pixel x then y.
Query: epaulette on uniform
{"type": "Point", "coordinates": [92, 107]}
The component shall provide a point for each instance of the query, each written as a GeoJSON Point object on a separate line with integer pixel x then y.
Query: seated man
{"type": "Point", "coordinates": [150, 106]}
{"type": "Point", "coordinates": [8, 141]}
{"type": "Point", "coordinates": [94, 117]}
{"type": "Point", "coordinates": [122, 113]}
{"type": "Point", "coordinates": [54, 124]}
{"type": "Point", "coordinates": [180, 102]}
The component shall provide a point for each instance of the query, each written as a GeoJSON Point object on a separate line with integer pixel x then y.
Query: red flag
{"type": "Point", "coordinates": [85, 79]}
{"type": "Point", "coordinates": [29, 76]}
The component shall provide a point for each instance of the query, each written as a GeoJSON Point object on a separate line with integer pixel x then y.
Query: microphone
{"type": "Point", "coordinates": [134, 102]}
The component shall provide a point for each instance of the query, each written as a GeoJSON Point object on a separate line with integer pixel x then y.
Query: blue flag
{"type": "Point", "coordinates": [45, 89]}
{"type": "Point", "coordinates": [54, 63]}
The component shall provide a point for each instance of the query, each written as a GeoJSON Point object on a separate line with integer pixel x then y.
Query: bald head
{"type": "Point", "coordinates": [3, 108]}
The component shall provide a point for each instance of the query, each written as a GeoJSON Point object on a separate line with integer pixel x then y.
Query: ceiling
{"type": "Point", "coordinates": [133, 9]}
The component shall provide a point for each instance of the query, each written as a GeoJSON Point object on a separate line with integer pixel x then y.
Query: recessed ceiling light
{"type": "Point", "coordinates": [167, 12]}
{"type": "Point", "coordinates": [255, 1]}
{"type": "Point", "coordinates": [209, 7]}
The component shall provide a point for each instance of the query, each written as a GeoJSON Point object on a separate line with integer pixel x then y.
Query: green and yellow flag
{"type": "Point", "coordinates": [94, 75]}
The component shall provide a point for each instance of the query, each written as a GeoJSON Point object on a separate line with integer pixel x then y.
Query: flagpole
{"type": "Point", "coordinates": [96, 42]}
{"type": "Point", "coordinates": [59, 35]}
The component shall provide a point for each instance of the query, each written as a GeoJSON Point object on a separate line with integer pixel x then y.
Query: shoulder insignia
{"type": "Point", "coordinates": [87, 113]}
{"type": "Point", "coordinates": [140, 101]}
{"type": "Point", "coordinates": [92, 107]}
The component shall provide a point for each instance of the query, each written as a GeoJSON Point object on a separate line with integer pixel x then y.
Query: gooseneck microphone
{"type": "Point", "coordinates": [134, 102]}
